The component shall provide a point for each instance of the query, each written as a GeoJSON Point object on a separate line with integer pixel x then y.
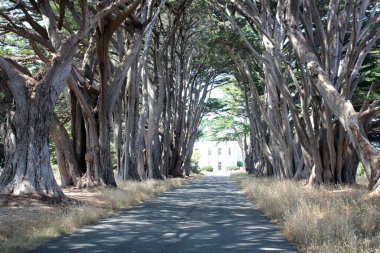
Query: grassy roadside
{"type": "Point", "coordinates": [28, 222]}
{"type": "Point", "coordinates": [318, 220]}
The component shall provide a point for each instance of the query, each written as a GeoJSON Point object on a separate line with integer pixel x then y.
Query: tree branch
{"type": "Point", "coordinates": [16, 83]}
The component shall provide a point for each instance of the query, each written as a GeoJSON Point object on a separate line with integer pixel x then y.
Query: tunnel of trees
{"type": "Point", "coordinates": [123, 86]}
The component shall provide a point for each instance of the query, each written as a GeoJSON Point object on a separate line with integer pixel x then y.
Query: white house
{"type": "Point", "coordinates": [218, 154]}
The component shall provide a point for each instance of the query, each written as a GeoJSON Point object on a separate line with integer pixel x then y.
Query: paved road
{"type": "Point", "coordinates": [209, 216]}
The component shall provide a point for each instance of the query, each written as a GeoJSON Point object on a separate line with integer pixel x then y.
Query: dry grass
{"type": "Point", "coordinates": [30, 221]}
{"type": "Point", "coordinates": [325, 219]}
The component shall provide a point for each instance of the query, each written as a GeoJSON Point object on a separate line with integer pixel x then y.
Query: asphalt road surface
{"type": "Point", "coordinates": [209, 216]}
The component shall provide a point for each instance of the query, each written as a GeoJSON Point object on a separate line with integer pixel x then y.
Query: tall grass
{"type": "Point", "coordinates": [323, 219]}
{"type": "Point", "coordinates": [21, 232]}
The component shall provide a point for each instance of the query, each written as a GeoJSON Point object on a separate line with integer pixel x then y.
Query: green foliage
{"type": "Point", "coordinates": [208, 168]}
{"type": "Point", "coordinates": [15, 46]}
{"type": "Point", "coordinates": [55, 170]}
{"type": "Point", "coordinates": [195, 157]}
{"type": "Point", "coordinates": [200, 4]}
{"type": "Point", "coordinates": [214, 105]}
{"type": "Point", "coordinates": [233, 98]}
{"type": "Point", "coordinates": [360, 170]}
{"type": "Point", "coordinates": [199, 133]}
{"type": "Point", "coordinates": [227, 121]}
{"type": "Point", "coordinates": [195, 169]}
{"type": "Point", "coordinates": [53, 155]}
{"type": "Point", "coordinates": [64, 115]}
{"type": "Point", "coordinates": [232, 168]}
{"type": "Point", "coordinates": [224, 128]}
{"type": "Point", "coordinates": [371, 66]}
{"type": "Point", "coordinates": [239, 164]}
{"type": "Point", "coordinates": [371, 73]}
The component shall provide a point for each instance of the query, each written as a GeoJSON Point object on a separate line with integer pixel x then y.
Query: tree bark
{"type": "Point", "coordinates": [27, 167]}
{"type": "Point", "coordinates": [67, 161]}
{"type": "Point", "coordinates": [341, 108]}
{"type": "Point", "coordinates": [78, 132]}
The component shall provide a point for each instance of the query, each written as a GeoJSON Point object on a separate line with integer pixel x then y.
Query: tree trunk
{"type": "Point", "coordinates": [341, 108]}
{"type": "Point", "coordinates": [350, 165]}
{"type": "Point", "coordinates": [104, 122]}
{"type": "Point", "coordinates": [67, 161]}
{"type": "Point", "coordinates": [27, 169]}
{"type": "Point", "coordinates": [78, 132]}
{"type": "Point", "coordinates": [6, 101]}
{"type": "Point", "coordinates": [156, 105]}
{"type": "Point", "coordinates": [117, 133]}
{"type": "Point", "coordinates": [131, 129]}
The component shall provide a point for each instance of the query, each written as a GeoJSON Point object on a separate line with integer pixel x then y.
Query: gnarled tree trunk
{"type": "Point", "coordinates": [27, 167]}
{"type": "Point", "coordinates": [340, 107]}
{"type": "Point", "coordinates": [67, 161]}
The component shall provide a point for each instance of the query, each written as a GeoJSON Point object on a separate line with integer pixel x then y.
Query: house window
{"type": "Point", "coordinates": [229, 151]}
{"type": "Point", "coordinates": [219, 151]}
{"type": "Point", "coordinates": [209, 151]}
{"type": "Point", "coordinates": [219, 165]}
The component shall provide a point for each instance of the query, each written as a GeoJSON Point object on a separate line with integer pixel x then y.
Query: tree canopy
{"type": "Point", "coordinates": [125, 85]}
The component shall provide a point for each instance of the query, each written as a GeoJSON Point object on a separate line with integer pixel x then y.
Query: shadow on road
{"type": "Point", "coordinates": [210, 216]}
